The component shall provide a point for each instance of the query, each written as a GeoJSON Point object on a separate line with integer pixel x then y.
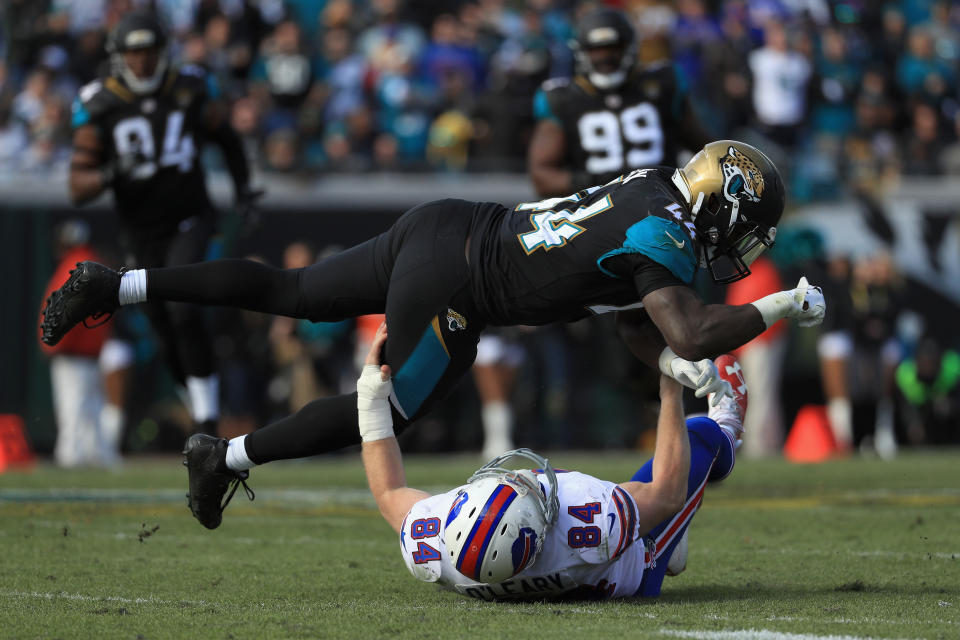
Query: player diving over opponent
{"type": "Point", "coordinates": [447, 269]}
{"type": "Point", "coordinates": [522, 534]}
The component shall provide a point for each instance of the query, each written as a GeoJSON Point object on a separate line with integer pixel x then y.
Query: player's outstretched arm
{"type": "Point", "coordinates": [695, 330]}
{"type": "Point", "coordinates": [666, 493]}
{"type": "Point", "coordinates": [380, 452]}
{"type": "Point", "coordinates": [88, 177]}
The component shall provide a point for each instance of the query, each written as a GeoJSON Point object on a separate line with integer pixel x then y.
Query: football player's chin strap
{"type": "Point", "coordinates": [522, 483]}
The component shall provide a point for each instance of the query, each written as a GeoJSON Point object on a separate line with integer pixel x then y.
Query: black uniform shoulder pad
{"type": "Point", "coordinates": [99, 97]}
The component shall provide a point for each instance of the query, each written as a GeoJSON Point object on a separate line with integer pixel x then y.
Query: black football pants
{"type": "Point", "coordinates": [415, 272]}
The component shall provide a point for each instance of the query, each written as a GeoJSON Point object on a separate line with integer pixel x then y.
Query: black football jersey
{"type": "Point", "coordinates": [598, 250]}
{"type": "Point", "coordinates": [609, 133]}
{"type": "Point", "coordinates": [153, 143]}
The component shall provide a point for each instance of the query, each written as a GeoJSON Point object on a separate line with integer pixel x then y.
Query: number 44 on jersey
{"type": "Point", "coordinates": [555, 221]}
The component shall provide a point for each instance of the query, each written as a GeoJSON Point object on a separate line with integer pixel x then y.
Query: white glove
{"type": "Point", "coordinates": [702, 376]}
{"type": "Point", "coordinates": [806, 303]}
{"type": "Point", "coordinates": [373, 408]}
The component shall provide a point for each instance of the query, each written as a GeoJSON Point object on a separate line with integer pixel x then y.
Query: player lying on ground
{"type": "Point", "coordinates": [510, 534]}
{"type": "Point", "coordinates": [447, 269]}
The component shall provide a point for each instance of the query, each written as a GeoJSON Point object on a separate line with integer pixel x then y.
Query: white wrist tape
{"type": "Point", "coordinates": [373, 406]}
{"type": "Point", "coordinates": [667, 356]}
{"type": "Point", "coordinates": [773, 307]}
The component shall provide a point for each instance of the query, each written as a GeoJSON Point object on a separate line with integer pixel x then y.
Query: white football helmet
{"type": "Point", "coordinates": [497, 522]}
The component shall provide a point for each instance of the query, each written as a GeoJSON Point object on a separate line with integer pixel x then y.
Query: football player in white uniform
{"type": "Point", "coordinates": [546, 533]}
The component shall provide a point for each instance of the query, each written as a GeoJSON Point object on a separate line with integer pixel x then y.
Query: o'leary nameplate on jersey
{"type": "Point", "coordinates": [551, 584]}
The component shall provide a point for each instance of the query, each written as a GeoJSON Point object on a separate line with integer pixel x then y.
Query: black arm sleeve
{"type": "Point", "coordinates": [233, 154]}
{"type": "Point", "coordinates": [647, 275]}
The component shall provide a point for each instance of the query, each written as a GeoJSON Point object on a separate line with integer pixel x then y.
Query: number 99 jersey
{"type": "Point", "coordinates": [608, 133]}
{"type": "Point", "coordinates": [594, 550]}
{"type": "Point", "coordinates": [151, 142]}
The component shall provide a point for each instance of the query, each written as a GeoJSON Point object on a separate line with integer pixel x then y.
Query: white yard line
{"type": "Point", "coordinates": [940, 555]}
{"type": "Point", "coordinates": [755, 634]}
{"type": "Point", "coordinates": [62, 595]}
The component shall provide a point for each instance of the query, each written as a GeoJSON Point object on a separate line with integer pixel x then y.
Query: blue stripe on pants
{"type": "Point", "coordinates": [419, 375]}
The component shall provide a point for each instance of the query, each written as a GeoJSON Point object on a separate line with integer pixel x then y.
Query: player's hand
{"type": "Point", "coordinates": [373, 356]}
{"type": "Point", "coordinates": [702, 376]}
{"type": "Point", "coordinates": [810, 304]}
{"type": "Point", "coordinates": [373, 389]}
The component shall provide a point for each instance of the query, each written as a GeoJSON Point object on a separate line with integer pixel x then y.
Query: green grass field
{"type": "Point", "coordinates": [858, 548]}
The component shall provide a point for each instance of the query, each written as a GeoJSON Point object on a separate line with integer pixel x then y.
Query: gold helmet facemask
{"type": "Point", "coordinates": [736, 198]}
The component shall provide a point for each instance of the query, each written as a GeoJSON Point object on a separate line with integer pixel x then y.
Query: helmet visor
{"type": "Point", "coordinates": [732, 262]}
{"type": "Point", "coordinates": [751, 246]}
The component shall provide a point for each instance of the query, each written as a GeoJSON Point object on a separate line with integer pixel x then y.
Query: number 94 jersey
{"type": "Point", "coordinates": [594, 550]}
{"type": "Point", "coordinates": [611, 132]}
{"type": "Point", "coordinates": [152, 144]}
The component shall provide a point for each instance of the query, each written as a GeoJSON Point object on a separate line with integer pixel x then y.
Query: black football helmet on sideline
{"type": "Point", "coordinates": [605, 28]}
{"type": "Point", "coordinates": [736, 198]}
{"type": "Point", "coordinates": [135, 31]}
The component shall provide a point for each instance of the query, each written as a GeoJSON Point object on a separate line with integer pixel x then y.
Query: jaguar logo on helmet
{"type": "Point", "coordinates": [742, 178]}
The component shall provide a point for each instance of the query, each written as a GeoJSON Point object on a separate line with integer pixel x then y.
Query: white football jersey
{"type": "Point", "coordinates": [595, 546]}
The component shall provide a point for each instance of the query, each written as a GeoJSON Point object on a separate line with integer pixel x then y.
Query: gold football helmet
{"type": "Point", "coordinates": [736, 198]}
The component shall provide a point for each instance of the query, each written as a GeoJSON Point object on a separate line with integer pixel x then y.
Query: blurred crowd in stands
{"type": "Point", "coordinates": [853, 92]}
{"type": "Point", "coordinates": [846, 95]}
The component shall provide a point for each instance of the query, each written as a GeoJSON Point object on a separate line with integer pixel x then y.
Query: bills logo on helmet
{"type": "Point", "coordinates": [461, 498]}
{"type": "Point", "coordinates": [523, 549]}
{"type": "Point", "coordinates": [742, 178]}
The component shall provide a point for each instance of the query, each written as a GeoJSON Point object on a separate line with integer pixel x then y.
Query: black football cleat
{"type": "Point", "coordinates": [202, 456]}
{"type": "Point", "coordinates": [91, 291]}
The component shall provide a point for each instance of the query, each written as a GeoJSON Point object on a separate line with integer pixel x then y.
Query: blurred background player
{"type": "Point", "coordinates": [613, 116]}
{"type": "Point", "coordinates": [139, 131]}
{"type": "Point", "coordinates": [529, 534]}
{"type": "Point", "coordinates": [88, 371]}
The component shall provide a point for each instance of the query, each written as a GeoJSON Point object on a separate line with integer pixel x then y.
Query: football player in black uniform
{"type": "Point", "coordinates": [139, 131]}
{"type": "Point", "coordinates": [612, 116]}
{"type": "Point", "coordinates": [449, 268]}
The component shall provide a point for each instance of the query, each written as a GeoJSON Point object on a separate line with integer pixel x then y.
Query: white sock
{"type": "Point", "coordinates": [133, 287]}
{"type": "Point", "coordinates": [840, 414]}
{"type": "Point", "coordinates": [204, 397]}
{"type": "Point", "coordinates": [237, 455]}
{"type": "Point", "coordinates": [497, 428]}
{"type": "Point", "coordinates": [111, 430]}
{"type": "Point", "coordinates": [732, 434]}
